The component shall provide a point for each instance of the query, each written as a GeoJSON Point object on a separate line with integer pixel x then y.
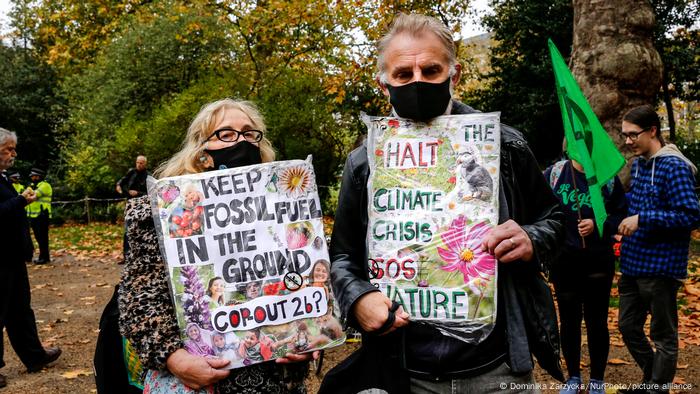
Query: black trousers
{"type": "Point", "coordinates": [40, 227]}
{"type": "Point", "coordinates": [640, 297]}
{"type": "Point", "coordinates": [582, 283]}
{"type": "Point", "coordinates": [16, 313]}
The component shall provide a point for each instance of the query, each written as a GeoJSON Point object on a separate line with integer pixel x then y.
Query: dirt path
{"type": "Point", "coordinates": [69, 294]}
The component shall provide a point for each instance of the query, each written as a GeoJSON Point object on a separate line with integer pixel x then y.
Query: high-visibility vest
{"type": "Point", "coordinates": [18, 187]}
{"type": "Point", "coordinates": [43, 200]}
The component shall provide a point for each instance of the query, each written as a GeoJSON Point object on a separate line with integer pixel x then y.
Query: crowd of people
{"type": "Point", "coordinates": [553, 233]}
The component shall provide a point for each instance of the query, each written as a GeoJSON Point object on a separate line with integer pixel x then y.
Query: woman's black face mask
{"type": "Point", "coordinates": [243, 153]}
{"type": "Point", "coordinates": [420, 101]}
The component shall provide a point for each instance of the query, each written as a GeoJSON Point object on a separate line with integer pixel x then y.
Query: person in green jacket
{"type": "Point", "coordinates": [39, 213]}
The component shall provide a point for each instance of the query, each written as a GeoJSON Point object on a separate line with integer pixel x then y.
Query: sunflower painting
{"type": "Point", "coordinates": [294, 181]}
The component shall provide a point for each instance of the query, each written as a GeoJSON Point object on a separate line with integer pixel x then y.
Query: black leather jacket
{"type": "Point", "coordinates": [530, 318]}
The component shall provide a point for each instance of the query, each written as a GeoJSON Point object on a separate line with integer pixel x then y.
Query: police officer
{"type": "Point", "coordinates": [14, 178]}
{"type": "Point", "coordinates": [39, 213]}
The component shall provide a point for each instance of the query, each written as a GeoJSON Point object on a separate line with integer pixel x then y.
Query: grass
{"type": "Point", "coordinates": [93, 237]}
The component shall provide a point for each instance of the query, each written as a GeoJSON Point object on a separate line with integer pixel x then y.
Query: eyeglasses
{"type": "Point", "coordinates": [227, 134]}
{"type": "Point", "coordinates": [633, 136]}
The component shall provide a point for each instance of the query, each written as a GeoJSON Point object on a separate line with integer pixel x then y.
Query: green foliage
{"type": "Point", "coordinates": [77, 212]}
{"type": "Point", "coordinates": [690, 148]}
{"type": "Point", "coordinates": [302, 121]}
{"type": "Point", "coordinates": [111, 103]}
{"type": "Point", "coordinates": [521, 81]}
{"type": "Point", "coordinates": [27, 98]}
{"type": "Point", "coordinates": [677, 37]}
{"type": "Point", "coordinates": [134, 73]}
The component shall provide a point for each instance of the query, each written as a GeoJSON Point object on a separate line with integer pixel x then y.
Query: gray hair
{"type": "Point", "coordinates": [416, 25]}
{"type": "Point", "coordinates": [6, 135]}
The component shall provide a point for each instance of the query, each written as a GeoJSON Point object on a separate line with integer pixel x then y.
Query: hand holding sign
{"type": "Point", "coordinates": [196, 371]}
{"type": "Point", "coordinates": [509, 242]}
{"type": "Point", "coordinates": [372, 311]}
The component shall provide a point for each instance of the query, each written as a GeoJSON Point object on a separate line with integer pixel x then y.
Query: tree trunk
{"type": "Point", "coordinates": [669, 108]}
{"type": "Point", "coordinates": [614, 60]}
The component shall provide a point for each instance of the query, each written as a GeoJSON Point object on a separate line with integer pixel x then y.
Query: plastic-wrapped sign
{"type": "Point", "coordinates": [248, 261]}
{"type": "Point", "coordinates": [433, 196]}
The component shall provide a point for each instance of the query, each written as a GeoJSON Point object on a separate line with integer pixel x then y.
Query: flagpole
{"type": "Point", "coordinates": [578, 202]}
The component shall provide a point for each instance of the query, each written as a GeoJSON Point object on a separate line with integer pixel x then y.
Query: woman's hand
{"type": "Point", "coordinates": [196, 371]}
{"type": "Point", "coordinates": [295, 358]}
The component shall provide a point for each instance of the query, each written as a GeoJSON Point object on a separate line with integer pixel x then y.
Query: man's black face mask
{"type": "Point", "coordinates": [241, 154]}
{"type": "Point", "coordinates": [420, 101]}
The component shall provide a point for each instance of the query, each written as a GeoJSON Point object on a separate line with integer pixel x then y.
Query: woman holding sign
{"type": "Point", "coordinates": [224, 134]}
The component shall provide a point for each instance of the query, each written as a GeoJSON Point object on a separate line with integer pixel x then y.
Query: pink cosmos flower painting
{"type": "Point", "coordinates": [463, 252]}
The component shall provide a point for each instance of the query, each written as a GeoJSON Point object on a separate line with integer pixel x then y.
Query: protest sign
{"type": "Point", "coordinates": [433, 197]}
{"type": "Point", "coordinates": [247, 261]}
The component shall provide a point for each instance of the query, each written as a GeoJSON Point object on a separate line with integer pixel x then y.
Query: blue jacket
{"type": "Point", "coordinates": [662, 194]}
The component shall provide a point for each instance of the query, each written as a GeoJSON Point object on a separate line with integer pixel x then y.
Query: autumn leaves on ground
{"type": "Point", "coordinates": [69, 294]}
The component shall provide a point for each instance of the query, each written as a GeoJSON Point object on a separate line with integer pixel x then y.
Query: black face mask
{"type": "Point", "coordinates": [241, 154]}
{"type": "Point", "coordinates": [420, 100]}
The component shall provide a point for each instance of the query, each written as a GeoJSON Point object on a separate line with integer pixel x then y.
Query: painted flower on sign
{"type": "Point", "coordinates": [463, 252]}
{"type": "Point", "coordinates": [295, 181]}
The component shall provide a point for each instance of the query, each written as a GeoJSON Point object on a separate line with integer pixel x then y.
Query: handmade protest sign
{"type": "Point", "coordinates": [433, 197]}
{"type": "Point", "coordinates": [247, 261]}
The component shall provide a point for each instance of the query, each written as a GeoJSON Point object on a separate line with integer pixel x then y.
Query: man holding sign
{"type": "Point", "coordinates": [417, 72]}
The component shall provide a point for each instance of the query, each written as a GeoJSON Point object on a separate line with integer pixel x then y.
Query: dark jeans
{"type": "Point", "coordinates": [16, 313]}
{"type": "Point", "coordinates": [584, 294]}
{"type": "Point", "coordinates": [40, 227]}
{"type": "Point", "coordinates": [656, 296]}
{"type": "Point", "coordinates": [499, 380]}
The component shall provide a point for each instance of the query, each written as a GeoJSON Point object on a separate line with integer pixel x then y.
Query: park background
{"type": "Point", "coordinates": [89, 84]}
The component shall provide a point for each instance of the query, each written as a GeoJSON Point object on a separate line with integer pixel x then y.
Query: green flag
{"type": "Point", "coordinates": [587, 141]}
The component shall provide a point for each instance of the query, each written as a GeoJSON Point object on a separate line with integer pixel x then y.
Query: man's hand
{"type": "Point", "coordinates": [508, 242]}
{"type": "Point", "coordinates": [29, 195]}
{"type": "Point", "coordinates": [119, 188]}
{"type": "Point", "coordinates": [295, 358]}
{"type": "Point", "coordinates": [133, 193]}
{"type": "Point", "coordinates": [372, 311]}
{"type": "Point", "coordinates": [585, 227]}
{"type": "Point", "coordinates": [196, 371]}
{"type": "Point", "coordinates": [629, 225]}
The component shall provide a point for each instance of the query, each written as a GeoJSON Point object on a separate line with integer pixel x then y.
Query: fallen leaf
{"type": "Point", "coordinates": [618, 361]}
{"type": "Point", "coordinates": [75, 373]}
{"type": "Point", "coordinates": [692, 290]}
{"type": "Point", "coordinates": [68, 312]}
{"type": "Point", "coordinates": [678, 380]}
{"type": "Point", "coordinates": [682, 366]}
